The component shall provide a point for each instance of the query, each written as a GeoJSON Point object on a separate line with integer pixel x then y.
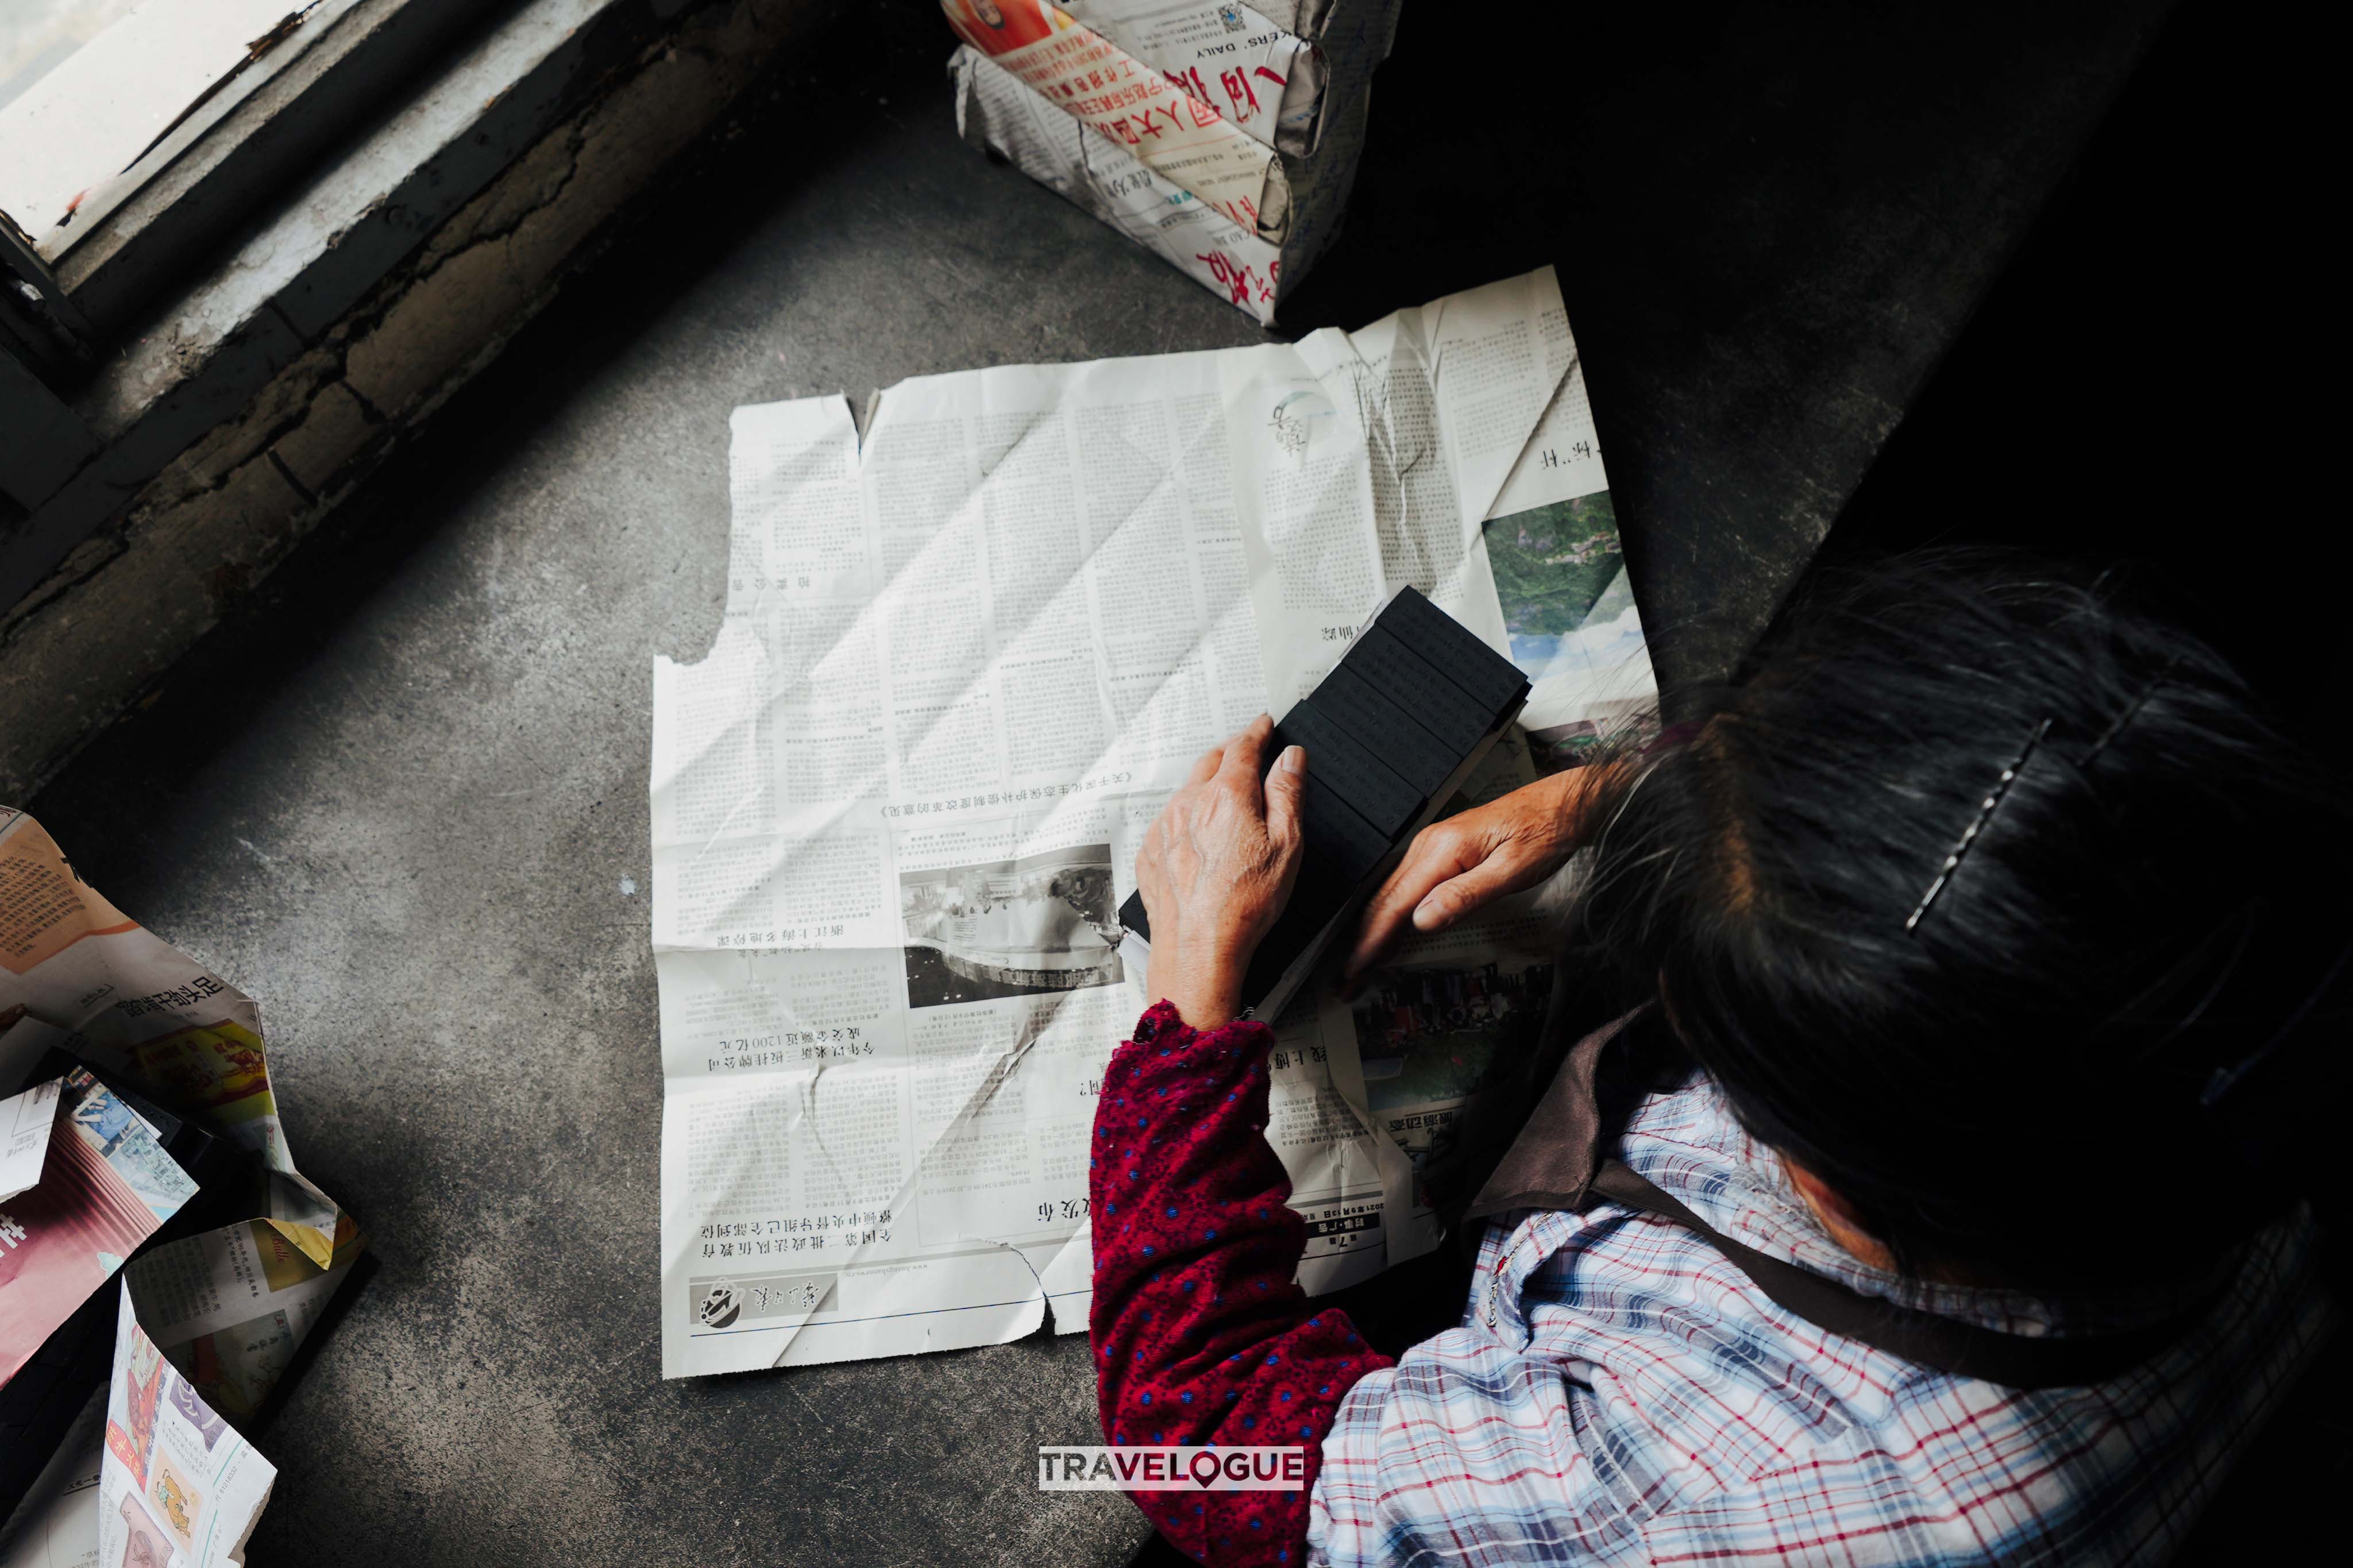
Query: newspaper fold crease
{"type": "Point", "coordinates": [966, 656]}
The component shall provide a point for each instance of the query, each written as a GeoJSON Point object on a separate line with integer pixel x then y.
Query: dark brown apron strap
{"type": "Point", "coordinates": [1550, 1165]}
{"type": "Point", "coordinates": [1941, 1344]}
{"type": "Point", "coordinates": [1555, 1165]}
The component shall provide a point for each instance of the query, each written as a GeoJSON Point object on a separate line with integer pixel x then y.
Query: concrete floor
{"type": "Point", "coordinates": [402, 798]}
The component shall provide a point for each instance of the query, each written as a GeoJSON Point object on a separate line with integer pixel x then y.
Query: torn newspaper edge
{"type": "Point", "coordinates": [962, 664]}
{"type": "Point", "coordinates": [1160, 201]}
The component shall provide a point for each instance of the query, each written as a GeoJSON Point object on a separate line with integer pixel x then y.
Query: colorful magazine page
{"type": "Point", "coordinates": [229, 1308]}
{"type": "Point", "coordinates": [106, 1187]}
{"type": "Point", "coordinates": [75, 971]}
{"type": "Point", "coordinates": [176, 1483]}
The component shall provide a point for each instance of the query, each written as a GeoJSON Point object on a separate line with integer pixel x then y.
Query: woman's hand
{"type": "Point", "coordinates": [1473, 858]}
{"type": "Point", "coordinates": [1216, 869]}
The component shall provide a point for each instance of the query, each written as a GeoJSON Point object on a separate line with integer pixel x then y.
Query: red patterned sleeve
{"type": "Point", "coordinates": [1200, 1335]}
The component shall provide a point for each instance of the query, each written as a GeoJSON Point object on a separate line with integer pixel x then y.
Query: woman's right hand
{"type": "Point", "coordinates": [1216, 869]}
{"type": "Point", "coordinates": [1473, 859]}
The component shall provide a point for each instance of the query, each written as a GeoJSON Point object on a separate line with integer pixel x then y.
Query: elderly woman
{"type": "Point", "coordinates": [1964, 929]}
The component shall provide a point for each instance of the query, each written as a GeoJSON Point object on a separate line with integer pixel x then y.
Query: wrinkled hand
{"type": "Point", "coordinates": [1216, 869]}
{"type": "Point", "coordinates": [1473, 858]}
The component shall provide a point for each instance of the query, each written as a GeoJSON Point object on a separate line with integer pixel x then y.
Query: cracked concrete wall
{"type": "Point", "coordinates": [101, 633]}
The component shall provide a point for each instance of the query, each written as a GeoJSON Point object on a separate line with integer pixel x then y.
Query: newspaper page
{"type": "Point", "coordinates": [1422, 421]}
{"type": "Point", "coordinates": [107, 1186]}
{"type": "Point", "coordinates": [1264, 80]}
{"type": "Point", "coordinates": [75, 971]}
{"type": "Point", "coordinates": [226, 1307]}
{"type": "Point", "coordinates": [177, 1484]}
{"type": "Point", "coordinates": [964, 660]}
{"type": "Point", "coordinates": [1427, 1027]}
{"type": "Point", "coordinates": [1154, 115]}
{"type": "Point", "coordinates": [229, 1308]}
{"type": "Point", "coordinates": [56, 1525]}
{"type": "Point", "coordinates": [1318, 130]}
{"type": "Point", "coordinates": [25, 1120]}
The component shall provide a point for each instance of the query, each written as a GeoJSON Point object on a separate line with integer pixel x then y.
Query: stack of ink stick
{"type": "Point", "coordinates": [1391, 733]}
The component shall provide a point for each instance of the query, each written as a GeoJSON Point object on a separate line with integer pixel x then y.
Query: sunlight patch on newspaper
{"type": "Point", "coordinates": [964, 661]}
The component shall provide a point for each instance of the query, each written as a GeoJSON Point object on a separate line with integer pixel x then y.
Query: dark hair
{"type": "Point", "coordinates": [2011, 1085]}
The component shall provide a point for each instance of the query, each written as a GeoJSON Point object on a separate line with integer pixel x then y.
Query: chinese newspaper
{"type": "Point", "coordinates": [967, 655]}
{"type": "Point", "coordinates": [1224, 137]}
{"type": "Point", "coordinates": [112, 1043]}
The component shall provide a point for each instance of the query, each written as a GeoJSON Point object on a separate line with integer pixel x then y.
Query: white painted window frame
{"type": "Point", "coordinates": [121, 107]}
{"type": "Point", "coordinates": [169, 127]}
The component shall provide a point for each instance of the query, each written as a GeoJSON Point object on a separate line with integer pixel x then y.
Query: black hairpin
{"type": "Point", "coordinates": [1986, 809]}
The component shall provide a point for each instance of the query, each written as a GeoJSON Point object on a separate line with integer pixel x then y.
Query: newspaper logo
{"type": "Point", "coordinates": [741, 1300]}
{"type": "Point", "coordinates": [1172, 1469]}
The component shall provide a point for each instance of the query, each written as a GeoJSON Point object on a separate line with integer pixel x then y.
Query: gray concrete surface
{"type": "Point", "coordinates": [402, 797]}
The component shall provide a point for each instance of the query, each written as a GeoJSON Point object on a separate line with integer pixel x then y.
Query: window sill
{"type": "Point", "coordinates": [254, 400]}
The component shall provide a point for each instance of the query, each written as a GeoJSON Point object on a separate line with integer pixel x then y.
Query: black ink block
{"type": "Point", "coordinates": [1347, 700]}
{"type": "Point", "coordinates": [1408, 680]}
{"type": "Point", "coordinates": [1338, 837]}
{"type": "Point", "coordinates": [1392, 731]}
{"type": "Point", "coordinates": [1343, 765]}
{"type": "Point", "coordinates": [1486, 677]}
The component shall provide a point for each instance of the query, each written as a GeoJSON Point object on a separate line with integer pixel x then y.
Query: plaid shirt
{"type": "Point", "coordinates": [1618, 1392]}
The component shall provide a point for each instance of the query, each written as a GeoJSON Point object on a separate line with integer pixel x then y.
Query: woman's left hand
{"type": "Point", "coordinates": [1216, 869]}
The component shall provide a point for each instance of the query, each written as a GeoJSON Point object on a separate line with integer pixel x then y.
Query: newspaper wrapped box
{"type": "Point", "coordinates": [1222, 137]}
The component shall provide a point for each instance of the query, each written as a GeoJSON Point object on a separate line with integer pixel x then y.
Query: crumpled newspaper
{"type": "Point", "coordinates": [208, 1322]}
